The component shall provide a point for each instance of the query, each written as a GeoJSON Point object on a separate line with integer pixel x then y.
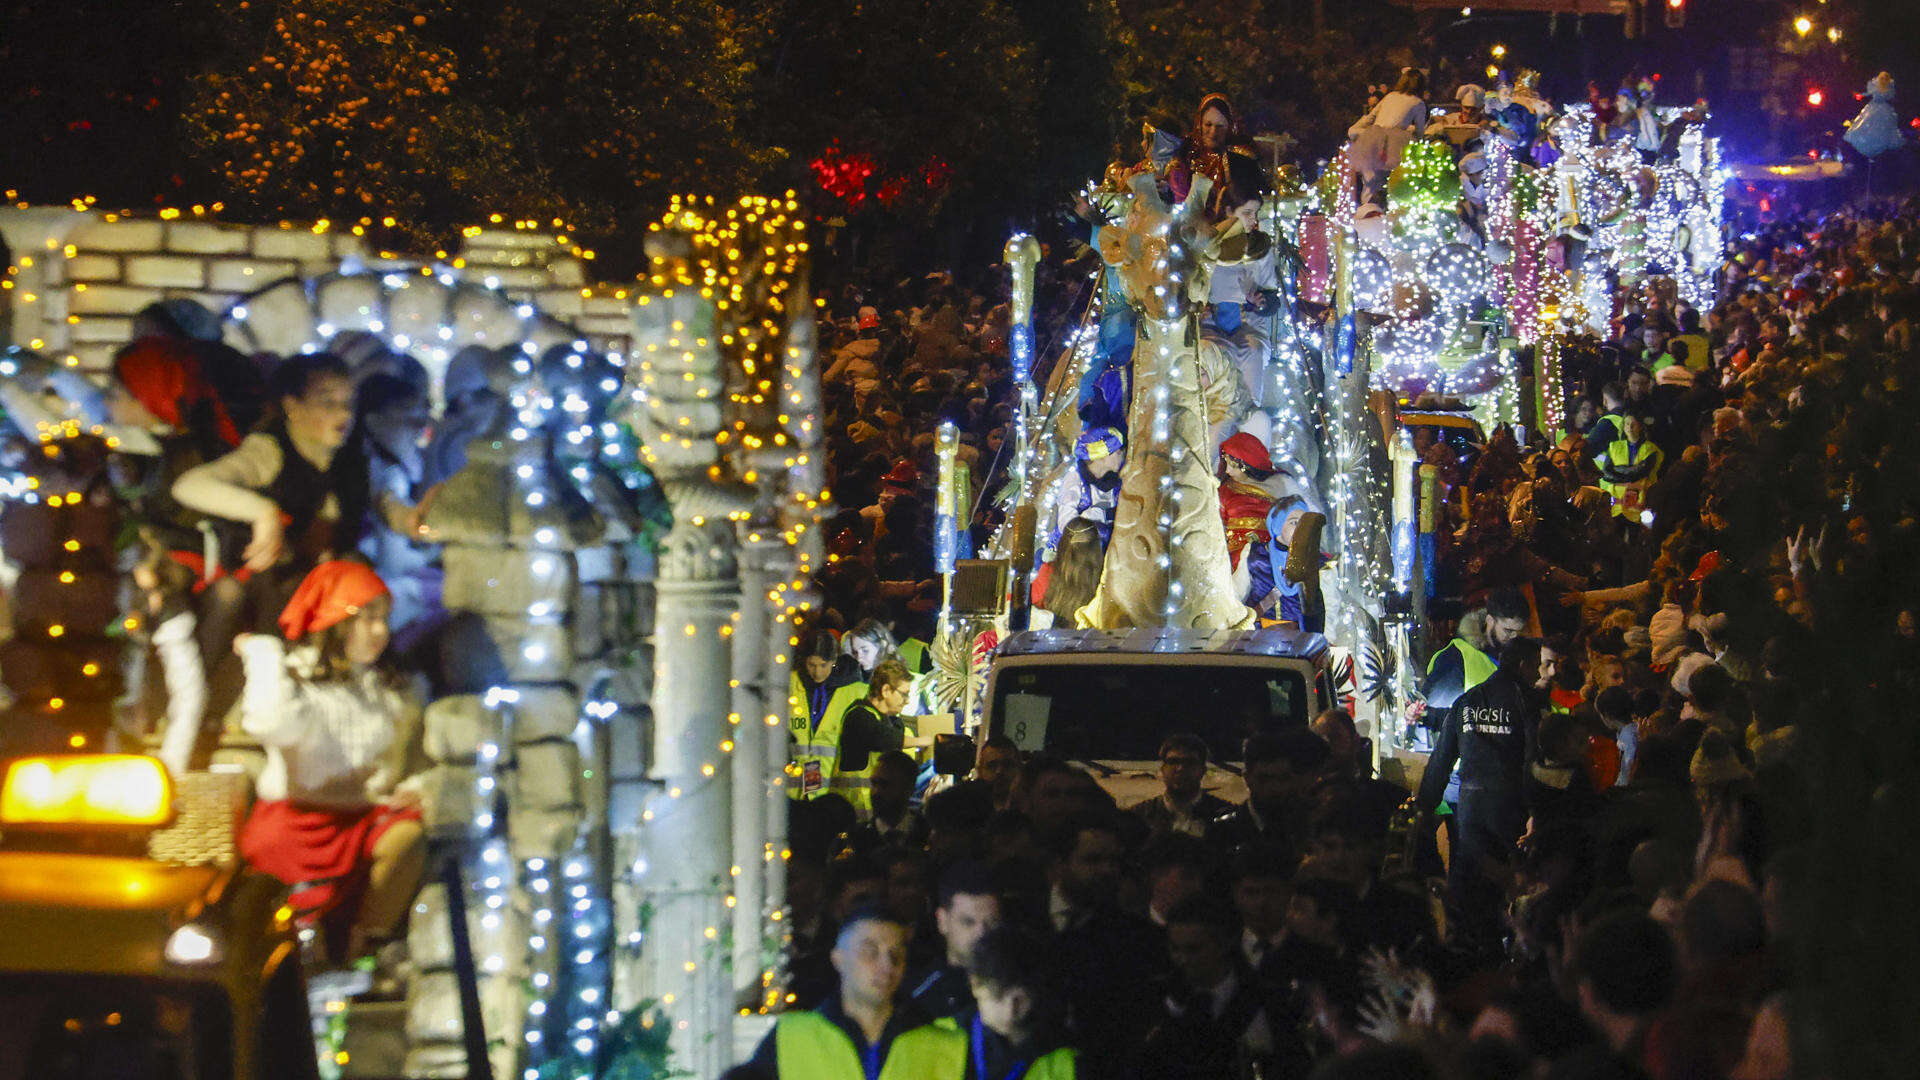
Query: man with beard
{"type": "Point", "coordinates": [1491, 732]}
{"type": "Point", "coordinates": [1090, 490]}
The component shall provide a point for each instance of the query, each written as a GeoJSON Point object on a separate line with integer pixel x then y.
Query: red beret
{"type": "Point", "coordinates": [1247, 450]}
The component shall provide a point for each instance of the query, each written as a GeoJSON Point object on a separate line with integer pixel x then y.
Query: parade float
{"type": "Point", "coordinates": [621, 549]}
{"type": "Point", "coordinates": [1465, 289]}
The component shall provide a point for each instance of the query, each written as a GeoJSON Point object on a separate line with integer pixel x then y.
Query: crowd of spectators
{"type": "Point", "coordinates": [1638, 685]}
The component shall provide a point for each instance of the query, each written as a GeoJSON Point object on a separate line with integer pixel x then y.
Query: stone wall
{"type": "Point", "coordinates": [76, 278]}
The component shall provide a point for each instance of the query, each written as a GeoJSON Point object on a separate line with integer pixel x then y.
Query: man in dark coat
{"type": "Point", "coordinates": [1490, 731]}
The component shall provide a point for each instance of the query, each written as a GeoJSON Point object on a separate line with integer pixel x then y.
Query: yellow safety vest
{"type": "Point", "coordinates": [913, 653]}
{"type": "Point", "coordinates": [816, 750]}
{"type": "Point", "coordinates": [808, 1046]}
{"type": "Point", "coordinates": [1061, 1063]}
{"type": "Point", "coordinates": [855, 785]}
{"type": "Point", "coordinates": [1620, 454]}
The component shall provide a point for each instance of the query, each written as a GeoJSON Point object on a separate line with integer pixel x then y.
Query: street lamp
{"type": "Point", "coordinates": [1833, 34]}
{"type": "Point", "coordinates": [1499, 52]}
{"type": "Point", "coordinates": [1803, 26]}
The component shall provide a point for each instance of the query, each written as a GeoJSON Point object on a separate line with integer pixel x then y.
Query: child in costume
{"type": "Point", "coordinates": [335, 818]}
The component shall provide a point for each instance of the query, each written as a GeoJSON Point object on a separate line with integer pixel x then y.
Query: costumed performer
{"type": "Point", "coordinates": [338, 815]}
{"type": "Point", "coordinates": [1245, 292]}
{"type": "Point", "coordinates": [1204, 153]}
{"type": "Point", "coordinates": [1245, 466]}
{"type": "Point", "coordinates": [1877, 129]}
{"type": "Point", "coordinates": [1090, 489]}
{"type": "Point", "coordinates": [1381, 136]}
{"type": "Point", "coordinates": [1283, 574]}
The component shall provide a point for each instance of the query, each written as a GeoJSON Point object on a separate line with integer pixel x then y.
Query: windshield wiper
{"type": "Point", "coordinates": [1106, 771]}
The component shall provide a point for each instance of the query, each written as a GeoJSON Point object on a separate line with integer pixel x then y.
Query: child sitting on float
{"type": "Point", "coordinates": [335, 819]}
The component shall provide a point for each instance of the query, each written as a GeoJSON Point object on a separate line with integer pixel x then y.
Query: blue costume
{"type": "Point", "coordinates": [1076, 494]}
{"type": "Point", "coordinates": [1266, 566]}
{"type": "Point", "coordinates": [1877, 129]}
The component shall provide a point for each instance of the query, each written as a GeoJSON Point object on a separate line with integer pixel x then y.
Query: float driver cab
{"type": "Point", "coordinates": [128, 950]}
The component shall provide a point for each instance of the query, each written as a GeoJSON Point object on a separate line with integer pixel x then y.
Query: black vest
{"type": "Point", "coordinates": [301, 492]}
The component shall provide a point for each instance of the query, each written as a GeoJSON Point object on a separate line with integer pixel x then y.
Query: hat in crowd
{"type": "Point", "coordinates": [1096, 443]}
{"type": "Point", "coordinates": [869, 318]}
{"type": "Point", "coordinates": [1709, 562]}
{"type": "Point", "coordinates": [1474, 163]}
{"type": "Point", "coordinates": [1675, 375]}
{"type": "Point", "coordinates": [1637, 641]}
{"type": "Point", "coordinates": [1682, 681]}
{"type": "Point", "coordinates": [860, 431]}
{"type": "Point", "coordinates": [330, 593]}
{"type": "Point", "coordinates": [1247, 450]}
{"type": "Point", "coordinates": [902, 477]}
{"type": "Point", "coordinates": [1715, 764]}
{"type": "Point", "coordinates": [163, 374]}
{"type": "Point", "coordinates": [1667, 632]}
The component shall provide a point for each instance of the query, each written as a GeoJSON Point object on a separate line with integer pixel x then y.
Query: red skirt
{"type": "Point", "coordinates": [326, 851]}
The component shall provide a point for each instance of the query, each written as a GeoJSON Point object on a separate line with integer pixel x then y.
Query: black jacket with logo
{"type": "Point", "coordinates": [1490, 731]}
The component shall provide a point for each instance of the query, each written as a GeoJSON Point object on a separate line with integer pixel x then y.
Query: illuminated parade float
{"type": "Point", "coordinates": [627, 510]}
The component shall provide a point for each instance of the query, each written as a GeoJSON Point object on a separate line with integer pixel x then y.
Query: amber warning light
{"type": "Point", "coordinates": [85, 791]}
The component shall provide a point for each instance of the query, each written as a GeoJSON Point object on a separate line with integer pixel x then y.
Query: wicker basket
{"type": "Point", "coordinates": [209, 808]}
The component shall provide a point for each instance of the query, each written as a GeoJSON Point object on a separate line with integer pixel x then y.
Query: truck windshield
{"type": "Point", "coordinates": [61, 1027]}
{"type": "Point", "coordinates": [1123, 711]}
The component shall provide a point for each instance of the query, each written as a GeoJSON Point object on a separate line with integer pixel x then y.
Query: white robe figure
{"type": "Point", "coordinates": [1243, 340]}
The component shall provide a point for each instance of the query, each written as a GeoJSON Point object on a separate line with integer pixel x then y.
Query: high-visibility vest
{"type": "Point", "coordinates": [816, 750]}
{"type": "Point", "coordinates": [808, 1046]}
{"type": "Point", "coordinates": [853, 785]}
{"type": "Point", "coordinates": [1060, 1063]}
{"type": "Point", "coordinates": [1623, 454]}
{"type": "Point", "coordinates": [913, 653]}
{"type": "Point", "coordinates": [1476, 666]}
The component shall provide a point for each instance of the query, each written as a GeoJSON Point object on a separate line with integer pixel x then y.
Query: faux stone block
{"type": "Point", "coordinates": [419, 309]}
{"type": "Point", "coordinates": [568, 271]}
{"type": "Point", "coordinates": [514, 239]}
{"type": "Point", "coordinates": [504, 581]}
{"type": "Point", "coordinates": [500, 931]}
{"type": "Point", "coordinates": [93, 268]}
{"type": "Point", "coordinates": [627, 732]}
{"type": "Point", "coordinates": [246, 275]}
{"type": "Point", "coordinates": [98, 329]}
{"type": "Point", "coordinates": [456, 726]}
{"type": "Point", "coordinates": [295, 243]}
{"type": "Point", "coordinates": [110, 300]}
{"type": "Point", "coordinates": [281, 319]}
{"type": "Point", "coordinates": [166, 271]}
{"type": "Point", "coordinates": [546, 776]}
{"type": "Point", "coordinates": [545, 712]}
{"type": "Point", "coordinates": [117, 236]}
{"type": "Point", "coordinates": [449, 798]}
{"type": "Point", "coordinates": [433, 1007]}
{"type": "Point", "coordinates": [534, 834]}
{"type": "Point", "coordinates": [531, 651]}
{"type": "Point", "coordinates": [206, 238]}
{"type": "Point", "coordinates": [350, 303]}
{"type": "Point", "coordinates": [562, 303]}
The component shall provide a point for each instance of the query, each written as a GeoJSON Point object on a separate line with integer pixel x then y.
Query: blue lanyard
{"type": "Point", "coordinates": [871, 1058]}
{"type": "Point", "coordinates": [817, 707]}
{"type": "Point", "coordinates": [980, 1055]}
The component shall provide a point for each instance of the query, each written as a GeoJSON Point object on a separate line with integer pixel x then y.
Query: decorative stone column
{"type": "Point", "coordinates": [685, 877]}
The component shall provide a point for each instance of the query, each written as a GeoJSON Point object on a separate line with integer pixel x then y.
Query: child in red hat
{"type": "Point", "coordinates": [335, 818]}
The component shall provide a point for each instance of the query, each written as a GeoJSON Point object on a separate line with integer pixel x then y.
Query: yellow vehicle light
{"type": "Point", "coordinates": [86, 790]}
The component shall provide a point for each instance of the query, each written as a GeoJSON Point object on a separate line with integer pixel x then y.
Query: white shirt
{"type": "Point", "coordinates": [329, 743]}
{"type": "Point", "coordinates": [1398, 110]}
